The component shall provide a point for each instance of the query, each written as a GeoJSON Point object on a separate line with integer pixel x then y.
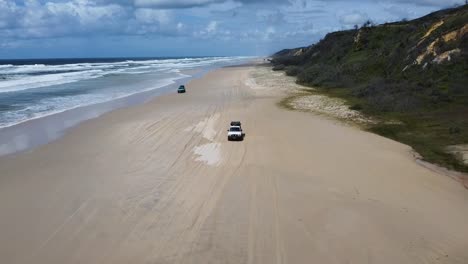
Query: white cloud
{"type": "Point", "coordinates": [279, 23]}
{"type": "Point", "coordinates": [172, 4]}
{"type": "Point", "coordinates": [35, 19]}
{"type": "Point", "coordinates": [8, 12]}
{"type": "Point", "coordinates": [438, 3]}
{"type": "Point", "coordinates": [353, 18]}
{"type": "Point", "coordinates": [213, 31]}
{"type": "Point", "coordinates": [212, 26]}
{"type": "Point", "coordinates": [271, 17]}
{"type": "Point", "coordinates": [180, 26]}
{"type": "Point", "coordinates": [152, 16]}
{"type": "Point", "coordinates": [52, 19]}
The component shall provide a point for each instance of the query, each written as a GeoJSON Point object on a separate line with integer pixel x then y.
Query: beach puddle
{"type": "Point", "coordinates": [206, 127]}
{"type": "Point", "coordinates": [250, 82]}
{"type": "Point", "coordinates": [209, 153]}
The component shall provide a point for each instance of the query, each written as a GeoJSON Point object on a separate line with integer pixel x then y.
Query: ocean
{"type": "Point", "coordinates": [30, 89]}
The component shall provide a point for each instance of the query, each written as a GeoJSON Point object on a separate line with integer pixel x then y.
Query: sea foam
{"type": "Point", "coordinates": [31, 89]}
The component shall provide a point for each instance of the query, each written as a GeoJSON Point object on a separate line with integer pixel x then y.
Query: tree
{"type": "Point", "coordinates": [368, 23]}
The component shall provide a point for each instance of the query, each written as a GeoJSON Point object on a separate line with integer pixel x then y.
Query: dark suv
{"type": "Point", "coordinates": [181, 89]}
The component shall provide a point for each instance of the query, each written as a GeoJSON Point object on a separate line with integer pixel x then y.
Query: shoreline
{"type": "Point", "coordinates": [29, 134]}
{"type": "Point", "coordinates": [36, 132]}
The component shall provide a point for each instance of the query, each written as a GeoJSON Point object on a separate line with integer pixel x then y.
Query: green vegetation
{"type": "Point", "coordinates": [411, 75]}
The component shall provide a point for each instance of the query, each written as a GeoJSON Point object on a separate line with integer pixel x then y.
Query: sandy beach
{"type": "Point", "coordinates": [160, 183]}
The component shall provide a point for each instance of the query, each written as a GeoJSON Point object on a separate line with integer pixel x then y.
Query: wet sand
{"type": "Point", "coordinates": [160, 183]}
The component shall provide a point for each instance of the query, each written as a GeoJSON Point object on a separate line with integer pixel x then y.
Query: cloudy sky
{"type": "Point", "coordinates": [119, 28]}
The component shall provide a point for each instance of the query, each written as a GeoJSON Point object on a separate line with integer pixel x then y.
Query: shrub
{"type": "Point", "coordinates": [319, 75]}
{"type": "Point", "coordinates": [278, 67]}
{"type": "Point", "coordinates": [390, 96]}
{"type": "Point", "coordinates": [292, 70]}
{"type": "Point", "coordinates": [356, 107]}
{"type": "Point", "coordinates": [454, 130]}
{"type": "Point", "coordinates": [388, 130]}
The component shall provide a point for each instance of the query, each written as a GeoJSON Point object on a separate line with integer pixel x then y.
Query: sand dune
{"type": "Point", "coordinates": [159, 183]}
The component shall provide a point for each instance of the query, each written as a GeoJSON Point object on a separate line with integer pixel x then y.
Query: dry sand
{"type": "Point", "coordinates": [159, 183]}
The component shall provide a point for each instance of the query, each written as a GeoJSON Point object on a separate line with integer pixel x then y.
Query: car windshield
{"type": "Point", "coordinates": [235, 129]}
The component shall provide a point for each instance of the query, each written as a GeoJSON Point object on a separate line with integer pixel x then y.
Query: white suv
{"type": "Point", "coordinates": [235, 133]}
